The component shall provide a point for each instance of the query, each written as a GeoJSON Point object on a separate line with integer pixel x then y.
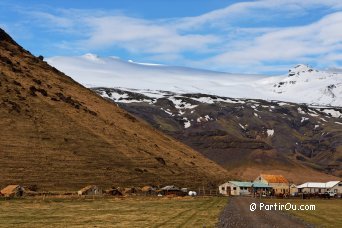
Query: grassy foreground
{"type": "Point", "coordinates": [112, 212]}
{"type": "Point", "coordinates": [327, 213]}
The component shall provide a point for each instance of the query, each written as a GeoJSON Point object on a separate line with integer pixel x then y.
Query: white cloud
{"type": "Point", "coordinates": [219, 37]}
{"type": "Point", "coordinates": [255, 10]}
{"type": "Point", "coordinates": [138, 35]}
{"type": "Point", "coordinates": [296, 43]}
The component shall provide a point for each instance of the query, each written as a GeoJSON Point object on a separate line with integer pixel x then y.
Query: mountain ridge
{"type": "Point", "coordinates": [310, 87]}
{"type": "Point", "coordinates": [244, 135]}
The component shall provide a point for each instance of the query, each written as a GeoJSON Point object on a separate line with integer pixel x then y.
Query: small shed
{"type": "Point", "coordinates": [90, 190]}
{"type": "Point", "coordinates": [171, 190]}
{"type": "Point", "coordinates": [114, 192]}
{"type": "Point", "coordinates": [130, 191]}
{"type": "Point", "coordinates": [293, 190]}
{"type": "Point", "coordinates": [148, 190]}
{"type": "Point", "coordinates": [13, 191]}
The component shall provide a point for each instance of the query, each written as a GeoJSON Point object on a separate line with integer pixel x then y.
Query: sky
{"type": "Point", "coordinates": [258, 37]}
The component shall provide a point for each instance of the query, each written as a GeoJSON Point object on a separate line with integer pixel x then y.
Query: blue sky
{"type": "Point", "coordinates": [266, 36]}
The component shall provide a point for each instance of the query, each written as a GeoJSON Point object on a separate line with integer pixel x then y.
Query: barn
{"type": "Point", "coordinates": [171, 190]}
{"type": "Point", "coordinates": [113, 192]}
{"type": "Point", "coordinates": [321, 187]}
{"type": "Point", "coordinates": [13, 191]}
{"type": "Point", "coordinates": [90, 190]}
{"type": "Point", "coordinates": [148, 190]}
{"type": "Point", "coordinates": [279, 183]}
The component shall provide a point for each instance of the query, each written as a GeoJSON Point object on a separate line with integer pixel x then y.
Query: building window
{"type": "Point", "coordinates": [234, 188]}
{"type": "Point", "coordinates": [222, 188]}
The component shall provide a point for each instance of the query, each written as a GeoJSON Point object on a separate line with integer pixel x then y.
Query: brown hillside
{"type": "Point", "coordinates": [61, 136]}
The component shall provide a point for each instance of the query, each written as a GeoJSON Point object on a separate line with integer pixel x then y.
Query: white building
{"type": "Point", "coordinates": [321, 187]}
{"type": "Point", "coordinates": [238, 188]}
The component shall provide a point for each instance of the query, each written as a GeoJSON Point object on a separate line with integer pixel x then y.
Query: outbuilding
{"type": "Point", "coordinates": [13, 191]}
{"type": "Point", "coordinates": [90, 190]}
{"type": "Point", "coordinates": [321, 187]}
{"type": "Point", "coordinates": [171, 190]}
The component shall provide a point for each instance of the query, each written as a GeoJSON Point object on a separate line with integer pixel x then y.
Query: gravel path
{"type": "Point", "coordinates": [238, 214]}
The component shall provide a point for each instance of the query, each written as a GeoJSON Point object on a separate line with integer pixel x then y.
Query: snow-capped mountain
{"type": "Point", "coordinates": [313, 86]}
{"type": "Point", "coordinates": [236, 130]}
{"type": "Point", "coordinates": [301, 85]}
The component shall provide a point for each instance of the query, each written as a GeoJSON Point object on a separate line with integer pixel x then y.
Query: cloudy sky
{"type": "Point", "coordinates": [265, 37]}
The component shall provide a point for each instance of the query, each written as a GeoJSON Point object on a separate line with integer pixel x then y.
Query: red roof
{"type": "Point", "coordinates": [274, 178]}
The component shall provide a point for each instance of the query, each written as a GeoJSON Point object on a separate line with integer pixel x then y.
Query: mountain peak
{"type": "Point", "coordinates": [300, 68]}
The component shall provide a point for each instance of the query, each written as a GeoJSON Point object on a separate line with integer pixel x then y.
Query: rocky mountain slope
{"type": "Point", "coordinates": [61, 136]}
{"type": "Point", "coordinates": [302, 84]}
{"type": "Point", "coordinates": [243, 135]}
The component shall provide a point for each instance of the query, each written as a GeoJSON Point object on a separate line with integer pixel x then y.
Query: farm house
{"type": "Point", "coordinates": [237, 188]}
{"type": "Point", "coordinates": [279, 183]}
{"type": "Point", "coordinates": [13, 191]}
{"type": "Point", "coordinates": [90, 190]}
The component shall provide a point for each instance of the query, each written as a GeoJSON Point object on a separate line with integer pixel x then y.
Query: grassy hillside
{"type": "Point", "coordinates": [61, 136]}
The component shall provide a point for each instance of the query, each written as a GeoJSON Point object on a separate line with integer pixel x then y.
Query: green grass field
{"type": "Point", "coordinates": [328, 212]}
{"type": "Point", "coordinates": [112, 212]}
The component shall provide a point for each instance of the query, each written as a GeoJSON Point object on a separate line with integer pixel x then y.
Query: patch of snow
{"type": "Point", "coordinates": [167, 111]}
{"type": "Point", "coordinates": [313, 115]}
{"type": "Point", "coordinates": [333, 113]}
{"type": "Point", "coordinates": [234, 102]}
{"type": "Point", "coordinates": [300, 111]}
{"type": "Point", "coordinates": [270, 132]}
{"type": "Point", "coordinates": [207, 117]}
{"type": "Point", "coordinates": [243, 127]}
{"type": "Point", "coordinates": [179, 104]}
{"type": "Point", "coordinates": [282, 104]}
{"type": "Point", "coordinates": [187, 123]}
{"type": "Point", "coordinates": [304, 119]}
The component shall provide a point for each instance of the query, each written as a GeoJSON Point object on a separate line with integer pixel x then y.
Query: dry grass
{"type": "Point", "coordinates": [61, 136]}
{"type": "Point", "coordinates": [109, 212]}
{"type": "Point", "coordinates": [327, 213]}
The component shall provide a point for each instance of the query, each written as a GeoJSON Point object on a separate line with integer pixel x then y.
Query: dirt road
{"type": "Point", "coordinates": [237, 214]}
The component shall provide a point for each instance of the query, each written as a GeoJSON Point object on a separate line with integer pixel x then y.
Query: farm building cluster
{"type": "Point", "coordinates": [146, 190]}
{"type": "Point", "coordinates": [12, 191]}
{"type": "Point", "coordinates": [278, 185]}
{"type": "Point", "coordinates": [263, 185]}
